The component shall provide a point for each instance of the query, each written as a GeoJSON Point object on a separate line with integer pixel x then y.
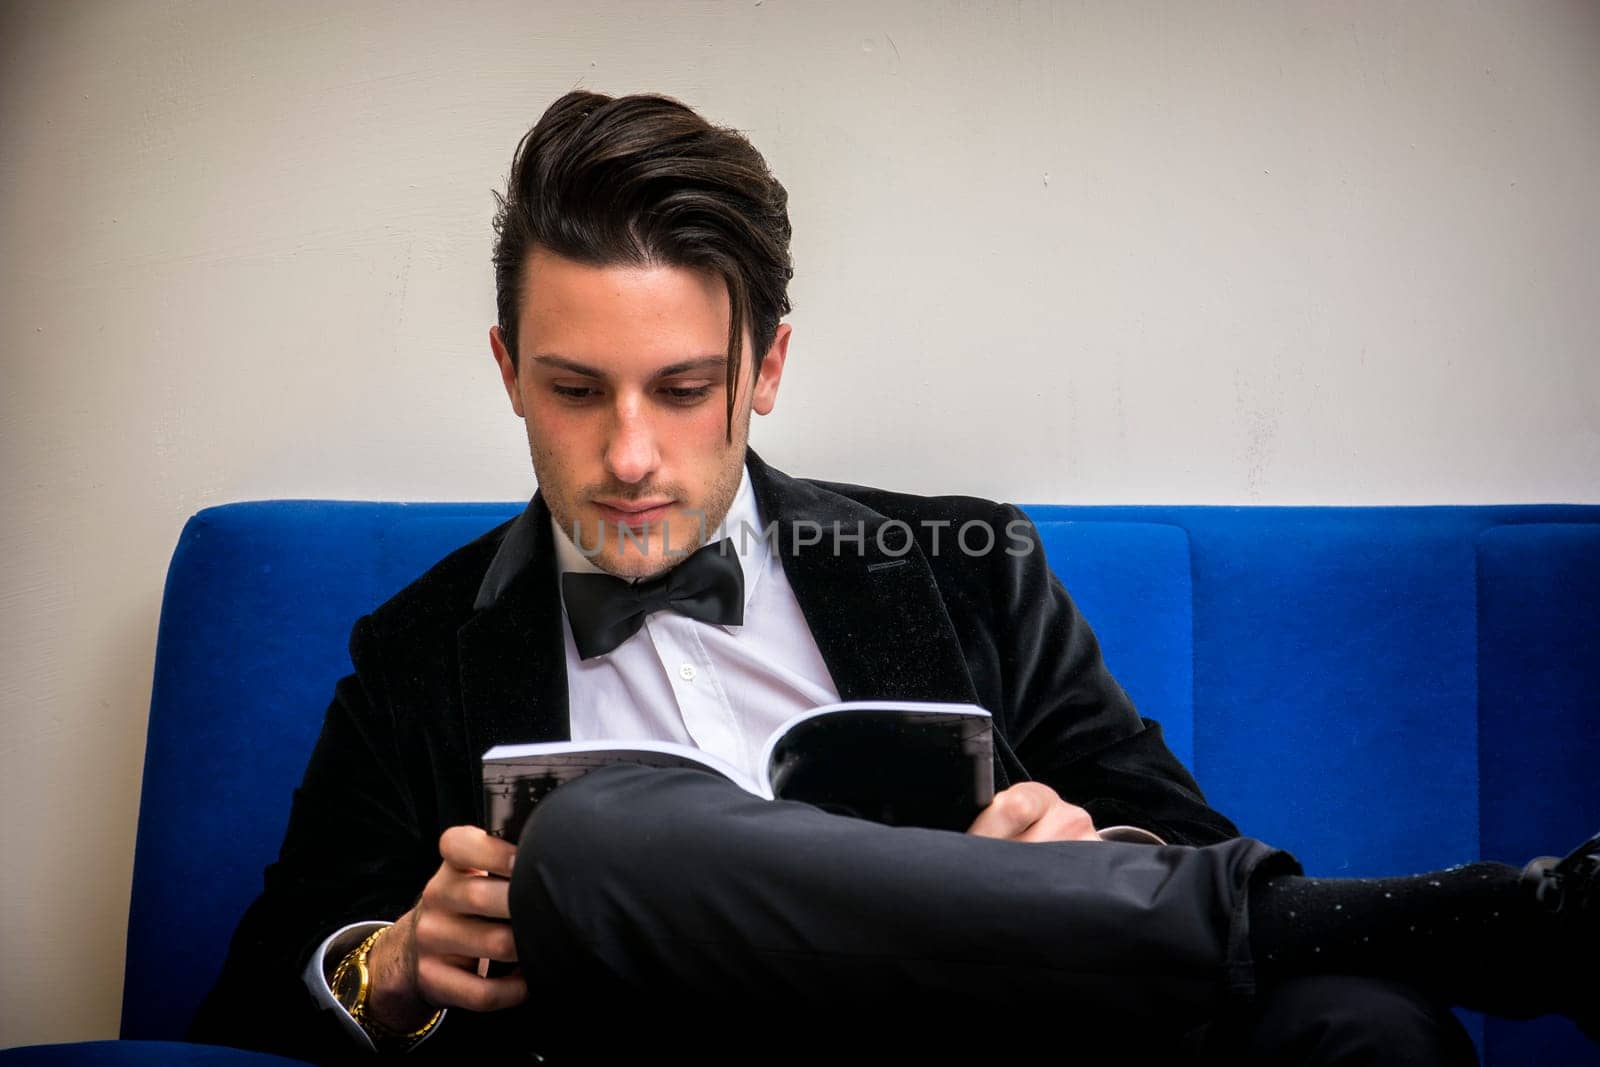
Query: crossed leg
{"type": "Point", "coordinates": [645, 898]}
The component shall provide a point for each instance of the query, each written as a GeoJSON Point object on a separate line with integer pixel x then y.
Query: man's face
{"type": "Point", "coordinates": [622, 382]}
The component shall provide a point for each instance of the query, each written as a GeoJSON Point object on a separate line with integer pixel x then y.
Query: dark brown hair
{"type": "Point", "coordinates": [642, 180]}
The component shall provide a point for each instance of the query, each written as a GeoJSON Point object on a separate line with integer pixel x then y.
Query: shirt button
{"type": "Point", "coordinates": [686, 672]}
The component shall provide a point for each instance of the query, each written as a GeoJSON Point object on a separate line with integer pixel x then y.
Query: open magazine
{"type": "Point", "coordinates": [902, 763]}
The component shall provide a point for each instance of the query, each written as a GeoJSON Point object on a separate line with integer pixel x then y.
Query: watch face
{"type": "Point", "coordinates": [346, 985]}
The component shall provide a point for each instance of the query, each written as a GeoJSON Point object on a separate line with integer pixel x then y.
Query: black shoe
{"type": "Point", "coordinates": [1569, 889]}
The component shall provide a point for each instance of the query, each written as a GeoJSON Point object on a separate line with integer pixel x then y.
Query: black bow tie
{"type": "Point", "coordinates": [606, 610]}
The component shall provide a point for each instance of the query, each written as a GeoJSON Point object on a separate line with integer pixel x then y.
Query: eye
{"type": "Point", "coordinates": [575, 392]}
{"type": "Point", "coordinates": [686, 394]}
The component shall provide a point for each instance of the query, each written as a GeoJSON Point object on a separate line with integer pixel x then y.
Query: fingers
{"type": "Point", "coordinates": [1012, 811]}
{"type": "Point", "coordinates": [462, 915]}
{"type": "Point", "coordinates": [471, 848]}
{"type": "Point", "coordinates": [460, 886]}
{"type": "Point", "coordinates": [446, 985]}
{"type": "Point", "coordinates": [1061, 822]}
{"type": "Point", "coordinates": [469, 894]}
{"type": "Point", "coordinates": [992, 822]}
{"type": "Point", "coordinates": [441, 933]}
{"type": "Point", "coordinates": [1032, 811]}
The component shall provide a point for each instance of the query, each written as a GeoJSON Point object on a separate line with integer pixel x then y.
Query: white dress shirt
{"type": "Point", "coordinates": [723, 689]}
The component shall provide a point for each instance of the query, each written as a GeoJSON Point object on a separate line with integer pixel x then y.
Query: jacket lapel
{"type": "Point", "coordinates": [878, 619]}
{"type": "Point", "coordinates": [513, 661]}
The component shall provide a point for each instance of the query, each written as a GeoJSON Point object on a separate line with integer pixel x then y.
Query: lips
{"type": "Point", "coordinates": [633, 513]}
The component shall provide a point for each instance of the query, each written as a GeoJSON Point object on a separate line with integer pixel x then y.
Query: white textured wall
{"type": "Point", "coordinates": [1120, 252]}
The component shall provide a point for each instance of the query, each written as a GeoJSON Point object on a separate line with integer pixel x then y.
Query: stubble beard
{"type": "Point", "coordinates": [687, 533]}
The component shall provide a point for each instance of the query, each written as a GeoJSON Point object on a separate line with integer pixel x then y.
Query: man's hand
{"type": "Point", "coordinates": [1032, 811]}
{"type": "Point", "coordinates": [429, 958]}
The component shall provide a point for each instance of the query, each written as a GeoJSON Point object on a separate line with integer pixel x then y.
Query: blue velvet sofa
{"type": "Point", "coordinates": [1379, 690]}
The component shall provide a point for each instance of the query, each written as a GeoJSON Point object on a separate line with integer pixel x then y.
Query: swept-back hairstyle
{"type": "Point", "coordinates": [643, 180]}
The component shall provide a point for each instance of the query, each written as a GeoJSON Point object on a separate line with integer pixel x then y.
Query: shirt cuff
{"type": "Point", "coordinates": [333, 949]}
{"type": "Point", "coordinates": [1131, 834]}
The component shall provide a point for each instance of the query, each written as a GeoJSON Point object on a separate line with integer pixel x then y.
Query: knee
{"type": "Point", "coordinates": [612, 816]}
{"type": "Point", "coordinates": [607, 841]}
{"type": "Point", "coordinates": [589, 855]}
{"type": "Point", "coordinates": [580, 816]}
{"type": "Point", "coordinates": [1351, 1019]}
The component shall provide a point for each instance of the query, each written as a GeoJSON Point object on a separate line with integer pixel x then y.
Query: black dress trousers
{"type": "Point", "coordinates": [665, 908]}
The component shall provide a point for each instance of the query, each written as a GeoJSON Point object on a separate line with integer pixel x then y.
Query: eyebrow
{"type": "Point", "coordinates": [697, 363]}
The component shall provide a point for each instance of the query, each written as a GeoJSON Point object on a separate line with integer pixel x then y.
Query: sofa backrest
{"type": "Point", "coordinates": [1379, 690]}
{"type": "Point", "coordinates": [255, 623]}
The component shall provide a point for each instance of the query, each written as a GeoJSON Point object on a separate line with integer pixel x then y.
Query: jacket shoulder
{"type": "Point", "coordinates": [964, 538]}
{"type": "Point", "coordinates": [913, 507]}
{"type": "Point", "coordinates": [441, 598]}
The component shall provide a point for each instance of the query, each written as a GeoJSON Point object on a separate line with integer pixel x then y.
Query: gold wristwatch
{"type": "Point", "coordinates": [352, 982]}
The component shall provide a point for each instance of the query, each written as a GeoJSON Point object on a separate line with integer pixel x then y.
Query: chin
{"type": "Point", "coordinates": [633, 564]}
{"type": "Point", "coordinates": [666, 540]}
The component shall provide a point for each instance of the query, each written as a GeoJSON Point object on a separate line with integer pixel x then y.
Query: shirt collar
{"type": "Point", "coordinates": [742, 524]}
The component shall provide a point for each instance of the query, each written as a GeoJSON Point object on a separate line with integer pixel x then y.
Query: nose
{"type": "Point", "coordinates": [631, 453]}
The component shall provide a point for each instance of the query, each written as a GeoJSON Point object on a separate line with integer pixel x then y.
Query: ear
{"type": "Point", "coordinates": [765, 394]}
{"type": "Point", "coordinates": [508, 370]}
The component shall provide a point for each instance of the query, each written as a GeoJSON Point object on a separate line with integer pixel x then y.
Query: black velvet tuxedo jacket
{"type": "Point", "coordinates": [470, 655]}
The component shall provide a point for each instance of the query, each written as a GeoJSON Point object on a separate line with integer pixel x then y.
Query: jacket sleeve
{"type": "Point", "coordinates": [1069, 722]}
{"type": "Point", "coordinates": [353, 850]}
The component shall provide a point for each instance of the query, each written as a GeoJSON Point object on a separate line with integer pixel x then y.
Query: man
{"type": "Point", "coordinates": [641, 269]}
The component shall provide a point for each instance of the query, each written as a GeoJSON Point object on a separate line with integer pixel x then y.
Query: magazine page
{"type": "Point", "coordinates": [901, 763]}
{"type": "Point", "coordinates": [517, 777]}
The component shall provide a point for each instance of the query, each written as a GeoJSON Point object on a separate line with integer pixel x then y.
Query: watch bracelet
{"type": "Point", "coordinates": [358, 958]}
